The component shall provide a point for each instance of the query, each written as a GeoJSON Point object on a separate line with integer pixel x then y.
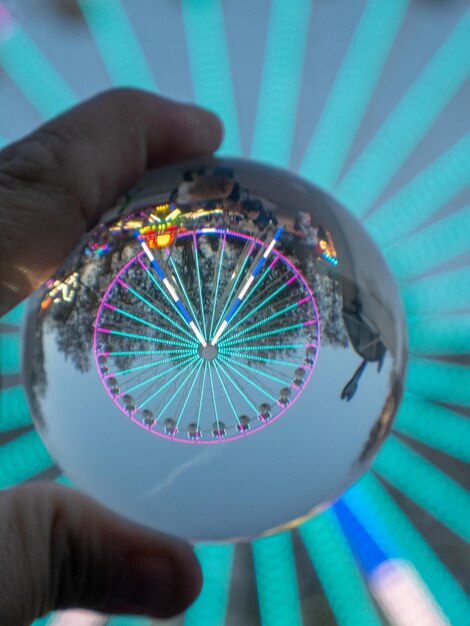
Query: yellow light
{"type": "Point", "coordinates": [173, 215]}
{"type": "Point", "coordinates": [156, 239]}
{"type": "Point", "coordinates": [194, 215]}
{"type": "Point", "coordinates": [164, 239]}
{"type": "Point", "coordinates": [133, 224]}
{"type": "Point", "coordinates": [117, 227]}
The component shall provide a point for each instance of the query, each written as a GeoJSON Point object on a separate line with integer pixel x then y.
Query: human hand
{"type": "Point", "coordinates": [59, 549]}
{"type": "Point", "coordinates": [55, 183]}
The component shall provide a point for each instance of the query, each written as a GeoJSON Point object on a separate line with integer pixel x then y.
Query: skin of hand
{"type": "Point", "coordinates": [58, 548]}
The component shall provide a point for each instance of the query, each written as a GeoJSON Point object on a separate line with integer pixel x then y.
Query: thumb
{"type": "Point", "coordinates": [59, 549]}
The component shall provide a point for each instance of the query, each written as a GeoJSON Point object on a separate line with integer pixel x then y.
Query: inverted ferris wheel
{"type": "Point", "coordinates": [209, 338]}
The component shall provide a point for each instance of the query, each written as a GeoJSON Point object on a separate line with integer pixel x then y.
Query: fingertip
{"type": "Point", "coordinates": [190, 580]}
{"type": "Point", "coordinates": [82, 555]}
{"type": "Point", "coordinates": [196, 131]}
{"type": "Point", "coordinates": [160, 583]}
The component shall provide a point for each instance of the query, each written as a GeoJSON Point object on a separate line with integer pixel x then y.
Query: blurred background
{"type": "Point", "coordinates": [370, 99]}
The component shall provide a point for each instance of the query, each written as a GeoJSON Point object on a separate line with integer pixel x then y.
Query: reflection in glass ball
{"type": "Point", "coordinates": [226, 332]}
{"type": "Point", "coordinates": [206, 338]}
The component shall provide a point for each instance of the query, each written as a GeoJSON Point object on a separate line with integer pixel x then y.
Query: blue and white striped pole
{"type": "Point", "coordinates": [249, 281]}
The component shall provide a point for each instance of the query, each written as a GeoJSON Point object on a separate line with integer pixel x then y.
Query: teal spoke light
{"type": "Point", "coordinates": [446, 292]}
{"type": "Point", "coordinates": [31, 70]}
{"type": "Point", "coordinates": [396, 586]}
{"type": "Point", "coordinates": [211, 606]}
{"type": "Point", "coordinates": [276, 580]}
{"type": "Point", "coordinates": [211, 343]}
{"type": "Point", "coordinates": [397, 462]}
{"type": "Point", "coordinates": [42, 621]}
{"type": "Point", "coordinates": [430, 247]}
{"type": "Point", "coordinates": [22, 459]}
{"type": "Point", "coordinates": [409, 122]}
{"type": "Point", "coordinates": [335, 566]}
{"type": "Point", "coordinates": [443, 382]}
{"type": "Point", "coordinates": [352, 90]}
{"type": "Point", "coordinates": [10, 351]}
{"type": "Point", "coordinates": [14, 316]}
{"type": "Point", "coordinates": [445, 334]}
{"type": "Point", "coordinates": [423, 196]}
{"type": "Point", "coordinates": [391, 529]}
{"type": "Point", "coordinates": [129, 620]}
{"type": "Point", "coordinates": [14, 411]}
{"type": "Point", "coordinates": [62, 479]}
{"type": "Point", "coordinates": [211, 66]}
{"type": "Point", "coordinates": [435, 426]}
{"type": "Point", "coordinates": [281, 80]}
{"type": "Point", "coordinates": [118, 44]}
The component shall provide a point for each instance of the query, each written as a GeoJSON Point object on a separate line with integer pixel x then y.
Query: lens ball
{"type": "Point", "coordinates": [225, 320]}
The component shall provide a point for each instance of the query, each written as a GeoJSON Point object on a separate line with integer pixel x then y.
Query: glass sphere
{"type": "Point", "coordinates": [221, 356]}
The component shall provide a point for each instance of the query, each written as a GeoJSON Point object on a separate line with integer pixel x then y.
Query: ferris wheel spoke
{"type": "Point", "coordinates": [258, 372]}
{"type": "Point", "coordinates": [154, 308]}
{"type": "Point", "coordinates": [137, 368]}
{"type": "Point", "coordinates": [171, 290]}
{"type": "Point", "coordinates": [139, 320]}
{"type": "Point", "coordinates": [263, 347]}
{"type": "Point", "coordinates": [268, 319]}
{"type": "Point", "coordinates": [199, 412]}
{"type": "Point", "coordinates": [188, 394]}
{"type": "Point", "coordinates": [217, 267]}
{"type": "Point", "coordinates": [259, 296]}
{"type": "Point", "coordinates": [249, 380]}
{"type": "Point", "coordinates": [199, 282]}
{"type": "Point", "coordinates": [120, 333]}
{"type": "Point", "coordinates": [245, 288]}
{"type": "Point", "coordinates": [188, 302]}
{"type": "Point", "coordinates": [167, 391]}
{"type": "Point", "coordinates": [227, 395]}
{"type": "Point", "coordinates": [256, 308]}
{"type": "Point", "coordinates": [240, 391]}
{"type": "Point", "coordinates": [162, 291]}
{"type": "Point", "coordinates": [238, 276]}
{"type": "Point", "coordinates": [214, 401]}
{"type": "Point", "coordinates": [144, 352]}
{"type": "Point", "coordinates": [135, 378]}
{"type": "Point", "coordinates": [267, 333]}
{"type": "Point", "coordinates": [267, 370]}
{"type": "Point", "coordinates": [156, 377]}
{"type": "Point", "coordinates": [165, 385]}
{"type": "Point", "coordinates": [178, 390]}
{"type": "Point", "coordinates": [258, 358]}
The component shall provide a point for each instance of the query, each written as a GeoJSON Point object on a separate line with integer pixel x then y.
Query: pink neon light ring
{"type": "Point", "coordinates": [156, 370]}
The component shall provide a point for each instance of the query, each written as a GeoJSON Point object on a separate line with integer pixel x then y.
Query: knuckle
{"type": "Point", "coordinates": [32, 161]}
{"type": "Point", "coordinates": [31, 175]}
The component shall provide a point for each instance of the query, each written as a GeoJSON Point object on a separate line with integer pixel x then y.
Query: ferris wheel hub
{"type": "Point", "coordinates": [208, 352]}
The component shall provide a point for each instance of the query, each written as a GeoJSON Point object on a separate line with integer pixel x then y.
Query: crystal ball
{"type": "Point", "coordinates": [221, 356]}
